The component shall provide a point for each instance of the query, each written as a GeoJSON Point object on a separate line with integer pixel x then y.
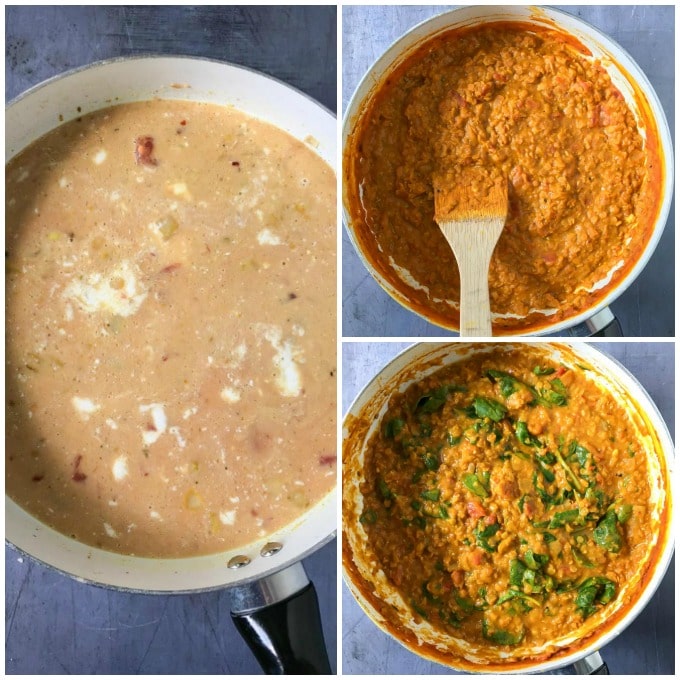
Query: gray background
{"type": "Point", "coordinates": [647, 33]}
{"type": "Point", "coordinates": [54, 624]}
{"type": "Point", "coordinates": [645, 647]}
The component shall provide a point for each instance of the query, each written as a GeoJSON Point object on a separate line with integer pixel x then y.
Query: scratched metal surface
{"type": "Point", "coordinates": [646, 32]}
{"type": "Point", "coordinates": [54, 624]}
{"type": "Point", "coordinates": [646, 647]}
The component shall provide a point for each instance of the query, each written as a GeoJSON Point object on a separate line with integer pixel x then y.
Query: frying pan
{"type": "Point", "coordinates": [627, 76]}
{"type": "Point", "coordinates": [273, 603]}
{"type": "Point", "coordinates": [368, 407]}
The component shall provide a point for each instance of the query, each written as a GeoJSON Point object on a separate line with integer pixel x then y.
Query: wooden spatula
{"type": "Point", "coordinates": [471, 210]}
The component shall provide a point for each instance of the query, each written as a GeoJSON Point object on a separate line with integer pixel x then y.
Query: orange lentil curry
{"type": "Point", "coordinates": [520, 493]}
{"type": "Point", "coordinates": [524, 104]}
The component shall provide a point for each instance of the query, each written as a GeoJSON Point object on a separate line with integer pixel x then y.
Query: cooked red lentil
{"type": "Point", "coordinates": [526, 104]}
{"type": "Point", "coordinates": [519, 492]}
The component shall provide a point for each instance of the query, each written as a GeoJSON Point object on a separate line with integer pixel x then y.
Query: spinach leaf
{"type": "Point", "coordinates": [580, 557]}
{"type": "Point", "coordinates": [522, 433]}
{"type": "Point", "coordinates": [385, 490]}
{"type": "Point", "coordinates": [624, 512]}
{"type": "Point", "coordinates": [489, 408]}
{"type": "Point", "coordinates": [501, 637]}
{"type": "Point", "coordinates": [538, 370]}
{"type": "Point", "coordinates": [431, 495]}
{"type": "Point", "coordinates": [451, 440]}
{"type": "Point", "coordinates": [607, 534]}
{"type": "Point", "coordinates": [565, 517]}
{"type": "Point", "coordinates": [431, 461]}
{"type": "Point", "coordinates": [471, 482]}
{"type": "Point", "coordinates": [394, 427]}
{"type": "Point", "coordinates": [482, 536]}
{"type": "Point", "coordinates": [579, 452]}
{"type": "Point", "coordinates": [545, 497]}
{"type": "Point", "coordinates": [513, 594]}
{"type": "Point", "coordinates": [432, 401]}
{"type": "Point", "coordinates": [368, 517]}
{"type": "Point", "coordinates": [466, 605]}
{"type": "Point", "coordinates": [535, 560]}
{"type": "Point", "coordinates": [594, 590]}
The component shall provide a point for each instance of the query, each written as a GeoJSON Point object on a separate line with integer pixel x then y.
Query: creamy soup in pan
{"type": "Point", "coordinates": [170, 319]}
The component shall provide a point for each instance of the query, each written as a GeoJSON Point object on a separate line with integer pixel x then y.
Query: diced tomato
{"type": "Point", "coordinates": [475, 510]}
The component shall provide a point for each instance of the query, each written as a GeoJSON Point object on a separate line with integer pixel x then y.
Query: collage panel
{"type": "Point", "coordinates": [171, 340]}
{"type": "Point", "coordinates": [506, 507]}
{"type": "Point", "coordinates": [433, 97]}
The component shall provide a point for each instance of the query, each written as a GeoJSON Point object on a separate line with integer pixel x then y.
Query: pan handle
{"type": "Point", "coordinates": [278, 617]}
{"type": "Point", "coordinates": [603, 324]}
{"type": "Point", "coordinates": [591, 665]}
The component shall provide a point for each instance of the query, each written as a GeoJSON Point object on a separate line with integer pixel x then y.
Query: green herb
{"type": "Point", "coordinates": [471, 482]}
{"type": "Point", "coordinates": [548, 537]}
{"type": "Point", "coordinates": [452, 618]}
{"type": "Point", "coordinates": [547, 473]}
{"type": "Point", "coordinates": [594, 590]}
{"type": "Point", "coordinates": [581, 558]}
{"type": "Point", "coordinates": [521, 501]}
{"type": "Point", "coordinates": [416, 505]}
{"type": "Point", "coordinates": [624, 512]}
{"type": "Point", "coordinates": [368, 517]}
{"type": "Point", "coordinates": [535, 560]}
{"type": "Point", "coordinates": [501, 637]}
{"type": "Point", "coordinates": [431, 402]}
{"type": "Point", "coordinates": [451, 440]}
{"type": "Point", "coordinates": [517, 570]}
{"type": "Point", "coordinates": [594, 493]}
{"type": "Point", "coordinates": [521, 454]}
{"type": "Point", "coordinates": [545, 497]}
{"type": "Point", "coordinates": [431, 495]}
{"type": "Point", "coordinates": [557, 395]}
{"type": "Point", "coordinates": [466, 605]}
{"type": "Point", "coordinates": [425, 429]}
{"type": "Point", "coordinates": [522, 433]}
{"type": "Point", "coordinates": [607, 534]}
{"type": "Point", "coordinates": [489, 408]}
{"type": "Point", "coordinates": [431, 462]}
{"type": "Point", "coordinates": [394, 427]}
{"type": "Point", "coordinates": [482, 536]}
{"type": "Point", "coordinates": [573, 479]}
{"type": "Point", "coordinates": [579, 452]}
{"type": "Point", "coordinates": [564, 517]}
{"type": "Point", "coordinates": [543, 371]}
{"type": "Point", "coordinates": [515, 594]}
{"type": "Point", "coordinates": [385, 491]}
{"type": "Point", "coordinates": [419, 610]}
{"type": "Point", "coordinates": [507, 383]}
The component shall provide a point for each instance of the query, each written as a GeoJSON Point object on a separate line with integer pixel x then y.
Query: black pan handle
{"type": "Point", "coordinates": [279, 619]}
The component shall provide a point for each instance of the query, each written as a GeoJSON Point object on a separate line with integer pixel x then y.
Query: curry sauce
{"type": "Point", "coordinates": [525, 104]}
{"type": "Point", "coordinates": [170, 329]}
{"type": "Point", "coordinates": [507, 500]}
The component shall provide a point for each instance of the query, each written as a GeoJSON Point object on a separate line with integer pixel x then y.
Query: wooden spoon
{"type": "Point", "coordinates": [471, 212]}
